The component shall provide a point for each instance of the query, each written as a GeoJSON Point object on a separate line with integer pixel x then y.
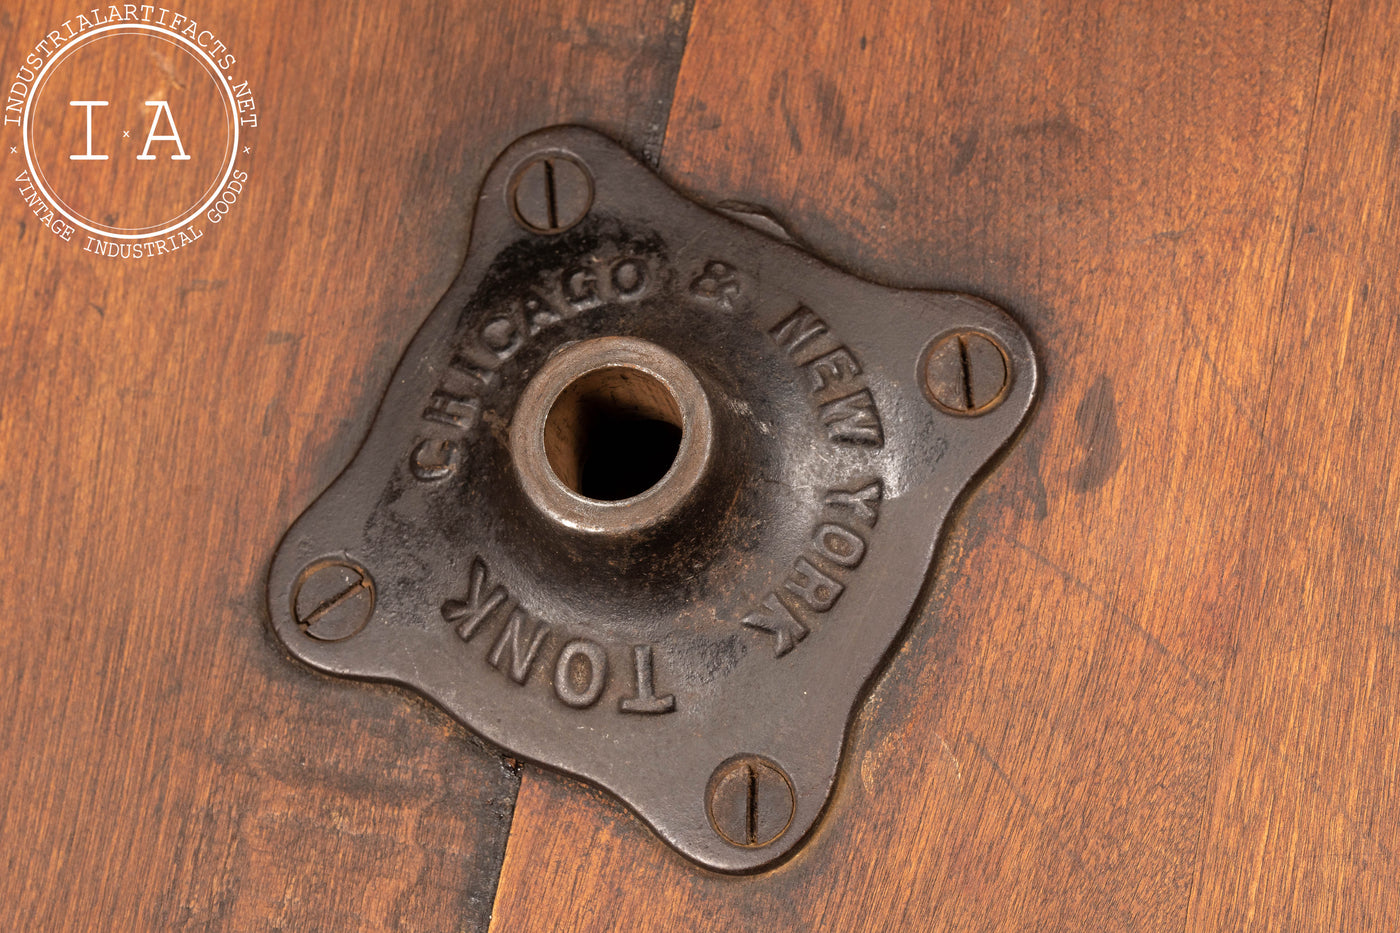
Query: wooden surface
{"type": "Point", "coordinates": [166, 765]}
{"type": "Point", "coordinates": [1154, 685]}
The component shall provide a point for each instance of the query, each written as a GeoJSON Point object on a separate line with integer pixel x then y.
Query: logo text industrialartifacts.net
{"type": "Point", "coordinates": [134, 127]}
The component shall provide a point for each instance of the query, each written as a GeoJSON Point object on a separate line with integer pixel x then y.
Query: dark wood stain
{"type": "Point", "coordinates": [1153, 684]}
{"type": "Point", "coordinates": [1100, 445]}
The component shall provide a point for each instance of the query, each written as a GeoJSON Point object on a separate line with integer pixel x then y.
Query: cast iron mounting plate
{"type": "Point", "coordinates": [701, 667]}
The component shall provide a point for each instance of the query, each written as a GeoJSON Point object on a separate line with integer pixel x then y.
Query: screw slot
{"type": "Point", "coordinates": [750, 801]}
{"type": "Point", "coordinates": [966, 372]}
{"type": "Point", "coordinates": [550, 193]}
{"type": "Point", "coordinates": [333, 600]}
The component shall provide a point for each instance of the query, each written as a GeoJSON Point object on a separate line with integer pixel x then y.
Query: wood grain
{"type": "Point", "coordinates": [1155, 684]}
{"type": "Point", "coordinates": [163, 421]}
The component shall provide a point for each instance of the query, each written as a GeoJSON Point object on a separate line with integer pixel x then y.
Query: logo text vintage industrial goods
{"type": "Point", "coordinates": [129, 129]}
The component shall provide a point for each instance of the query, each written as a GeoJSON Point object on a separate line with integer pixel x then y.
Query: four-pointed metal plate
{"type": "Point", "coordinates": [651, 496]}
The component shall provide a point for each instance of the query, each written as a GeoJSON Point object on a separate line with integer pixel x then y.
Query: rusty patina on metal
{"type": "Point", "coordinates": [651, 496]}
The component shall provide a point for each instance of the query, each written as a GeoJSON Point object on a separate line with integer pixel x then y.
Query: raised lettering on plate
{"type": "Point", "coordinates": [837, 366]}
{"type": "Point", "coordinates": [798, 329]}
{"type": "Point", "coordinates": [864, 502]}
{"type": "Point", "coordinates": [588, 653]}
{"type": "Point", "coordinates": [482, 600]}
{"type": "Point", "coordinates": [520, 639]}
{"type": "Point", "coordinates": [775, 619]}
{"type": "Point", "coordinates": [435, 458]}
{"type": "Point", "coordinates": [646, 700]}
{"type": "Point", "coordinates": [835, 379]}
{"type": "Point", "coordinates": [817, 591]}
{"type": "Point", "coordinates": [838, 544]}
{"type": "Point", "coordinates": [719, 284]}
{"type": "Point", "coordinates": [818, 575]}
{"type": "Point", "coordinates": [459, 411]}
{"type": "Point", "coordinates": [853, 420]}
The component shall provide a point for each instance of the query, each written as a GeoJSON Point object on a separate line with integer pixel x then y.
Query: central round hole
{"type": "Point", "coordinates": [613, 433]}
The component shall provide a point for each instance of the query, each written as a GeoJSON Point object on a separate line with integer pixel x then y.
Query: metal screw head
{"type": "Point", "coordinates": [750, 801]}
{"type": "Point", "coordinates": [550, 193]}
{"type": "Point", "coordinates": [966, 373]}
{"type": "Point", "coordinates": [333, 599]}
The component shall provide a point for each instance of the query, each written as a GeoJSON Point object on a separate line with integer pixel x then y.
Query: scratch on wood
{"type": "Point", "coordinates": [1216, 698]}
{"type": "Point", "coordinates": [1053, 833]}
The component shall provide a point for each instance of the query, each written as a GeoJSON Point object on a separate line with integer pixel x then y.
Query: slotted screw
{"type": "Point", "coordinates": [334, 600]}
{"type": "Point", "coordinates": [551, 193]}
{"type": "Point", "coordinates": [750, 801]}
{"type": "Point", "coordinates": [966, 373]}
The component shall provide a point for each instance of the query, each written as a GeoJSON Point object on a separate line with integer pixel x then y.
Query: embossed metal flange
{"type": "Point", "coordinates": [693, 639]}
